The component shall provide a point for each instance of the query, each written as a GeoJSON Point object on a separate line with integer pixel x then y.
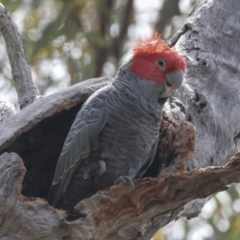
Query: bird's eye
{"type": "Point", "coordinates": [161, 64]}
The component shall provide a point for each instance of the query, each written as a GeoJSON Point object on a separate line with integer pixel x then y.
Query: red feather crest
{"type": "Point", "coordinates": [154, 44]}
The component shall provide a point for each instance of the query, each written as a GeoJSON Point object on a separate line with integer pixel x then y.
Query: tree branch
{"type": "Point", "coordinates": [26, 90]}
{"type": "Point", "coordinates": [209, 94]}
{"type": "Point", "coordinates": [114, 213]}
{"type": "Point", "coordinates": [208, 98]}
{"type": "Point", "coordinates": [47, 107]}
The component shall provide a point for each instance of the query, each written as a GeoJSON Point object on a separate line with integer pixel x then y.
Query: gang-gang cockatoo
{"type": "Point", "coordinates": [114, 136]}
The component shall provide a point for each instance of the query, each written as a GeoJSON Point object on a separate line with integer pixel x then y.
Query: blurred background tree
{"type": "Point", "coordinates": [69, 41]}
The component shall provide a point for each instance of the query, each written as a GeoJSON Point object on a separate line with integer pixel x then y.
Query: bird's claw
{"type": "Point", "coordinates": [95, 169]}
{"type": "Point", "coordinates": [127, 181]}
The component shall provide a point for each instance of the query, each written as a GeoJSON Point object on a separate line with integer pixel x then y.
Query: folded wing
{"type": "Point", "coordinates": [81, 140]}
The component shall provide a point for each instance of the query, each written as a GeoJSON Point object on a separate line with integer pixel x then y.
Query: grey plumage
{"type": "Point", "coordinates": [119, 126]}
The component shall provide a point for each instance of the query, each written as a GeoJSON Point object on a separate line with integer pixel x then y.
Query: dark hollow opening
{"type": "Point", "coordinates": [40, 148]}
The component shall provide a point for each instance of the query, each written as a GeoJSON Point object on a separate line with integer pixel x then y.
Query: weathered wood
{"type": "Point", "coordinates": [21, 71]}
{"type": "Point", "coordinates": [38, 131]}
{"type": "Point", "coordinates": [47, 107]}
{"type": "Point", "coordinates": [176, 145]}
{"type": "Point", "coordinates": [209, 99]}
{"type": "Point", "coordinates": [110, 214]}
{"type": "Point", "coordinates": [210, 91]}
{"type": "Point", "coordinates": [209, 40]}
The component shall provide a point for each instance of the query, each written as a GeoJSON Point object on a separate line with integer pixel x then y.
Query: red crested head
{"type": "Point", "coordinates": [153, 59]}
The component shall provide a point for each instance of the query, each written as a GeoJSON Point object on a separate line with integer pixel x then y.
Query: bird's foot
{"type": "Point", "coordinates": [127, 181]}
{"type": "Point", "coordinates": [95, 170]}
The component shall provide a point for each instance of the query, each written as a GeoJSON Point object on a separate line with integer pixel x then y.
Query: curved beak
{"type": "Point", "coordinates": [173, 82]}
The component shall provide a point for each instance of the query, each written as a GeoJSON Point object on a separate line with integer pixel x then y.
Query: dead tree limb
{"type": "Point", "coordinates": [208, 98]}
{"type": "Point", "coordinates": [110, 214]}
{"type": "Point", "coordinates": [21, 71]}
{"type": "Point", "coordinates": [210, 93]}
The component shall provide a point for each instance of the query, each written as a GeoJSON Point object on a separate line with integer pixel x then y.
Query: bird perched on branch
{"type": "Point", "coordinates": [114, 136]}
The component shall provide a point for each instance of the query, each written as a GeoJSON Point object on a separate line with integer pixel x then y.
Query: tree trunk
{"type": "Point", "coordinates": [210, 93]}
{"type": "Point", "coordinates": [208, 100]}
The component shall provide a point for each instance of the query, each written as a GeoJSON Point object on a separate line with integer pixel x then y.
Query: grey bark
{"type": "Point", "coordinates": [46, 107]}
{"type": "Point", "coordinates": [114, 213]}
{"type": "Point", "coordinates": [210, 93]}
{"type": "Point", "coordinates": [26, 90]}
{"type": "Point", "coordinates": [208, 98]}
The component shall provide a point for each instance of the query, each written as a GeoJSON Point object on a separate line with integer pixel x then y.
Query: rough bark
{"type": "Point", "coordinates": [210, 41]}
{"type": "Point", "coordinates": [110, 214]}
{"type": "Point", "coordinates": [26, 90]}
{"type": "Point", "coordinates": [38, 131]}
{"type": "Point", "coordinates": [209, 99]}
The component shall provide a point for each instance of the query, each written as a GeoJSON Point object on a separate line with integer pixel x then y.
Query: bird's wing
{"type": "Point", "coordinates": [145, 167]}
{"type": "Point", "coordinates": [82, 138]}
